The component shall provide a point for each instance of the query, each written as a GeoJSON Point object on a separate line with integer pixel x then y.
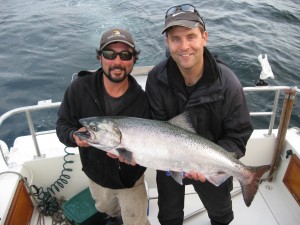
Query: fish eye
{"type": "Point", "coordinates": [94, 128]}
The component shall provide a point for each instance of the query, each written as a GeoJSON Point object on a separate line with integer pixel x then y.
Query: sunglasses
{"type": "Point", "coordinates": [184, 8]}
{"type": "Point", "coordinates": [111, 55]}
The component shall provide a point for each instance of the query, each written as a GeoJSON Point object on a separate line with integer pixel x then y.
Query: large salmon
{"type": "Point", "coordinates": [170, 146]}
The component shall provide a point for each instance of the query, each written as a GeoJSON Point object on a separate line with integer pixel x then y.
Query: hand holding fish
{"type": "Point", "coordinates": [195, 176]}
{"type": "Point", "coordinates": [80, 142]}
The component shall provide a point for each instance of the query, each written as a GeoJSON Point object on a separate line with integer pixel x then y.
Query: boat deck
{"type": "Point", "coordinates": [269, 207]}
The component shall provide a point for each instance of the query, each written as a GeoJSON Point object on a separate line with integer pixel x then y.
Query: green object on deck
{"type": "Point", "coordinates": [80, 209]}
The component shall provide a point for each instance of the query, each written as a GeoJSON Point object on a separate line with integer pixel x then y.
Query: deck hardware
{"type": "Point", "coordinates": [269, 187]}
{"type": "Point", "coordinates": [288, 153]}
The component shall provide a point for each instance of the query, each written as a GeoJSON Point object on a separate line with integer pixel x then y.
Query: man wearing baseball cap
{"type": "Point", "coordinates": [117, 187]}
{"type": "Point", "coordinates": [191, 79]}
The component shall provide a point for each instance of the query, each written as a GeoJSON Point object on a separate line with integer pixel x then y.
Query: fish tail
{"type": "Point", "coordinates": [250, 186]}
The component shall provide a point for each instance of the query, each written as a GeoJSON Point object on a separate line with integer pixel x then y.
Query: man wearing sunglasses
{"type": "Point", "coordinates": [118, 188]}
{"type": "Point", "coordinates": [192, 79]}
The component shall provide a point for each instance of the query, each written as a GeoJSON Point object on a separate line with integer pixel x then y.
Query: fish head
{"type": "Point", "coordinates": [101, 133]}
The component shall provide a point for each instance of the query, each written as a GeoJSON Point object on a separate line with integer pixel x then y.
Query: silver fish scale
{"type": "Point", "coordinates": [163, 146]}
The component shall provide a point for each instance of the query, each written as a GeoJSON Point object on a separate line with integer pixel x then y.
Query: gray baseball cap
{"type": "Point", "coordinates": [116, 35]}
{"type": "Point", "coordinates": [184, 19]}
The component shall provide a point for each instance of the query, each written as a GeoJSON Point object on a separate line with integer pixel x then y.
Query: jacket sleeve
{"type": "Point", "coordinates": [236, 122]}
{"type": "Point", "coordinates": [155, 97]}
{"type": "Point", "coordinates": [144, 107]}
{"type": "Point", "coordinates": [67, 121]}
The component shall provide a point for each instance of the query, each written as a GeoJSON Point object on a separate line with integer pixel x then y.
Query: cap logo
{"type": "Point", "coordinates": [115, 33]}
{"type": "Point", "coordinates": [175, 14]}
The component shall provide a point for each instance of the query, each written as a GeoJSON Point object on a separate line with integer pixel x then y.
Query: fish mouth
{"type": "Point", "coordinates": [85, 135]}
{"type": "Point", "coordinates": [82, 134]}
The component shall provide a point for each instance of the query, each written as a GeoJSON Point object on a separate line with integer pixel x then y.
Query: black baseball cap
{"type": "Point", "coordinates": [116, 35]}
{"type": "Point", "coordinates": [180, 17]}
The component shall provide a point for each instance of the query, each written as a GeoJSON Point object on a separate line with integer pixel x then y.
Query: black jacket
{"type": "Point", "coordinates": [217, 106]}
{"type": "Point", "coordinates": [84, 98]}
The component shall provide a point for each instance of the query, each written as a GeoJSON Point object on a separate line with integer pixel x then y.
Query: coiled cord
{"type": "Point", "coordinates": [48, 203]}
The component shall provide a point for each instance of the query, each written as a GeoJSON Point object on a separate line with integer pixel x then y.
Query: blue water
{"type": "Point", "coordinates": [42, 43]}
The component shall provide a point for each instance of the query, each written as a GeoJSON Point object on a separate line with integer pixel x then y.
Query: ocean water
{"type": "Point", "coordinates": [42, 43]}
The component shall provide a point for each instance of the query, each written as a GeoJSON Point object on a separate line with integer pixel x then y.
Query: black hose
{"type": "Point", "coordinates": [48, 203]}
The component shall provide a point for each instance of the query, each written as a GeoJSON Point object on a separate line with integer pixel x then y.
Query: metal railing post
{"type": "Point", "coordinates": [274, 110]}
{"type": "Point", "coordinates": [285, 117]}
{"type": "Point", "coordinates": [32, 132]}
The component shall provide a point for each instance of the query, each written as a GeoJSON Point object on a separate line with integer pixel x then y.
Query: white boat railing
{"type": "Point", "coordinates": [47, 104]}
{"type": "Point", "coordinates": [272, 114]}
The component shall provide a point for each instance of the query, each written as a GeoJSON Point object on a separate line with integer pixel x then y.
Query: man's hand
{"type": "Point", "coordinates": [79, 142]}
{"type": "Point", "coordinates": [196, 176]}
{"type": "Point", "coordinates": [121, 159]}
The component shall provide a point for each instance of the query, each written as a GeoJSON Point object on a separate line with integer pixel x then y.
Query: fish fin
{"type": "Point", "coordinates": [112, 151]}
{"type": "Point", "coordinates": [127, 155]}
{"type": "Point", "coordinates": [183, 121]}
{"type": "Point", "coordinates": [217, 179]}
{"type": "Point", "coordinates": [249, 188]}
{"type": "Point", "coordinates": [177, 176]}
